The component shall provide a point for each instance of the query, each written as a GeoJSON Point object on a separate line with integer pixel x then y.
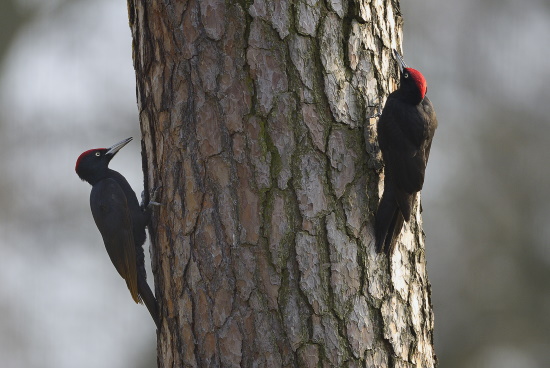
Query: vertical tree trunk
{"type": "Point", "coordinates": [253, 115]}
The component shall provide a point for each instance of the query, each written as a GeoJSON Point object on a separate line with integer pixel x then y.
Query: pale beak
{"type": "Point", "coordinates": [117, 146]}
{"type": "Point", "coordinates": [399, 58]}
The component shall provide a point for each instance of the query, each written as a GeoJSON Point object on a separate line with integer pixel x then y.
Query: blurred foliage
{"type": "Point", "coordinates": [11, 19]}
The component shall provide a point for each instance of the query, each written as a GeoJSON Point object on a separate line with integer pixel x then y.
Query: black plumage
{"type": "Point", "coordinates": [405, 132]}
{"type": "Point", "coordinates": [120, 220]}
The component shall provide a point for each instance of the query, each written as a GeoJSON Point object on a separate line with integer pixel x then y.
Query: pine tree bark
{"type": "Point", "coordinates": [253, 117]}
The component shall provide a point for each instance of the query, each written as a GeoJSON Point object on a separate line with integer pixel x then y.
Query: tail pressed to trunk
{"type": "Point", "coordinates": [149, 300]}
{"type": "Point", "coordinates": [388, 222]}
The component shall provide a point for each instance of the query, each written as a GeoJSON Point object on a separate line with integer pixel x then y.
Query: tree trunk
{"type": "Point", "coordinates": [253, 116]}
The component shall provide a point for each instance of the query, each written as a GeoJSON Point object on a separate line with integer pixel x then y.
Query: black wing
{"type": "Point", "coordinates": [112, 217]}
{"type": "Point", "coordinates": [405, 135]}
{"type": "Point", "coordinates": [430, 124]}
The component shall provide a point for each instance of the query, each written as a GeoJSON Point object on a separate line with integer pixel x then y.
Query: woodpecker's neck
{"type": "Point", "coordinates": [100, 175]}
{"type": "Point", "coordinates": [410, 94]}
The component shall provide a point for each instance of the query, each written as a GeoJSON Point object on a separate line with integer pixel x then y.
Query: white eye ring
{"type": "Point", "coordinates": [98, 154]}
{"type": "Point", "coordinates": [406, 75]}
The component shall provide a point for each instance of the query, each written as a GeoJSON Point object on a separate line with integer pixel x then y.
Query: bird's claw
{"type": "Point", "coordinates": [153, 195]}
{"type": "Point", "coordinates": [152, 198]}
{"type": "Point", "coordinates": [378, 114]}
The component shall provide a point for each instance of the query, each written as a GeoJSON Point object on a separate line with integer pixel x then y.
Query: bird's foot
{"type": "Point", "coordinates": [152, 198]}
{"type": "Point", "coordinates": [377, 114]}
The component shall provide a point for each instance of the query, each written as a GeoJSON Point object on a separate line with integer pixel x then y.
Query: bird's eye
{"type": "Point", "coordinates": [98, 154]}
{"type": "Point", "coordinates": [406, 75]}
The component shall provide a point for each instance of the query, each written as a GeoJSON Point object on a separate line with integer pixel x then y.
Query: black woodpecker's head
{"type": "Point", "coordinates": [93, 165]}
{"type": "Point", "coordinates": [412, 82]}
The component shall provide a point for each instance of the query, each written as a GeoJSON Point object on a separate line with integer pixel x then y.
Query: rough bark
{"type": "Point", "coordinates": [253, 116]}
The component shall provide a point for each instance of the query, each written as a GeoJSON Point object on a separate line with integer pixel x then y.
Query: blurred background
{"type": "Point", "coordinates": [67, 84]}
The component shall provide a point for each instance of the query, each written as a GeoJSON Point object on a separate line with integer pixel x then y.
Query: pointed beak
{"type": "Point", "coordinates": [399, 58]}
{"type": "Point", "coordinates": [116, 147]}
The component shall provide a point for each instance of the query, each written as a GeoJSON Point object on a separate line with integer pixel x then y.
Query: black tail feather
{"type": "Point", "coordinates": [384, 219]}
{"type": "Point", "coordinates": [388, 222]}
{"type": "Point", "coordinates": [393, 233]}
{"type": "Point", "coordinates": [149, 300]}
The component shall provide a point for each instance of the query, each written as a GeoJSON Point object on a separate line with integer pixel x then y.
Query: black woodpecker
{"type": "Point", "coordinates": [121, 220]}
{"type": "Point", "coordinates": [405, 131]}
